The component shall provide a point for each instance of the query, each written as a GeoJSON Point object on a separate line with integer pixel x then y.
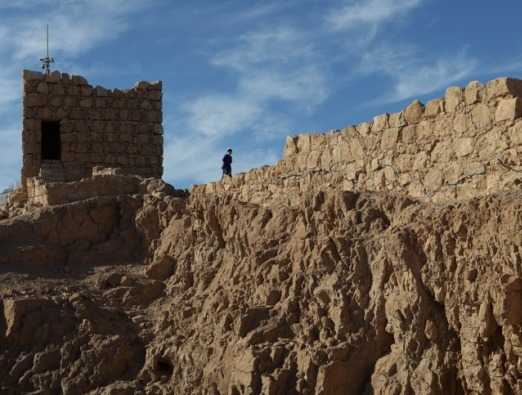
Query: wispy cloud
{"type": "Point", "coordinates": [432, 77]}
{"type": "Point", "coordinates": [220, 115]}
{"type": "Point", "coordinates": [414, 73]}
{"type": "Point", "coordinates": [257, 11]}
{"type": "Point", "coordinates": [370, 12]}
{"type": "Point", "coordinates": [76, 26]}
{"type": "Point", "coordinates": [306, 85]}
{"type": "Point", "coordinates": [276, 46]}
{"type": "Point", "coordinates": [270, 65]}
{"type": "Point", "coordinates": [22, 4]}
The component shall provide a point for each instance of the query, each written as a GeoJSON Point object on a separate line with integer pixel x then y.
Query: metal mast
{"type": "Point", "coordinates": [46, 62]}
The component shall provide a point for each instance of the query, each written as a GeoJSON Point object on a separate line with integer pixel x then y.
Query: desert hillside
{"type": "Point", "coordinates": [383, 258]}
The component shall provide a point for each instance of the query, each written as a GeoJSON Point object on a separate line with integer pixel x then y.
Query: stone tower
{"type": "Point", "coordinates": [70, 126]}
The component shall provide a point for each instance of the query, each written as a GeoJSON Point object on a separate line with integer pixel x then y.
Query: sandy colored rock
{"type": "Point", "coordinates": [453, 98]}
{"type": "Point", "coordinates": [380, 123]}
{"type": "Point", "coordinates": [83, 114]}
{"type": "Point", "coordinates": [515, 133]}
{"type": "Point", "coordinates": [508, 110]}
{"type": "Point", "coordinates": [481, 117]}
{"type": "Point", "coordinates": [473, 92]}
{"type": "Point", "coordinates": [502, 87]}
{"type": "Point", "coordinates": [413, 113]}
{"type": "Point", "coordinates": [362, 262]}
{"type": "Point", "coordinates": [434, 108]}
{"type": "Point", "coordinates": [396, 120]}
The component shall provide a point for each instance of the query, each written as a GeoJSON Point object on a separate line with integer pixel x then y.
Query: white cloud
{"type": "Point", "coordinates": [260, 10]}
{"type": "Point", "coordinates": [221, 115]}
{"type": "Point", "coordinates": [278, 47]}
{"type": "Point", "coordinates": [270, 65]}
{"type": "Point", "coordinates": [412, 72]}
{"type": "Point", "coordinates": [368, 12]}
{"type": "Point", "coordinates": [75, 26]}
{"type": "Point", "coordinates": [388, 58]}
{"type": "Point", "coordinates": [432, 77]}
{"type": "Point", "coordinates": [305, 85]}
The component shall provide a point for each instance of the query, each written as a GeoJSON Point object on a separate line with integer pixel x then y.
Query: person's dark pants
{"type": "Point", "coordinates": [227, 171]}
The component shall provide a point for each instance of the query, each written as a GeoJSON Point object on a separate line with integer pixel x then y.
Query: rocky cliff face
{"type": "Point", "coordinates": [283, 280]}
{"type": "Point", "coordinates": [340, 293]}
{"type": "Point", "coordinates": [343, 294]}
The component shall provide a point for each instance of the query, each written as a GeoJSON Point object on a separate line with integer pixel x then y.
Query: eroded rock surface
{"type": "Point", "coordinates": [346, 293]}
{"type": "Point", "coordinates": [339, 293]}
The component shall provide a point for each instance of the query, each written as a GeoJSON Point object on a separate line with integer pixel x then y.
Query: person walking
{"type": "Point", "coordinates": [227, 164]}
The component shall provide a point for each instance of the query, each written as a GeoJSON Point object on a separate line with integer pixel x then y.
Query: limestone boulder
{"type": "Point", "coordinates": [413, 113]}
{"type": "Point", "coordinates": [502, 87]}
{"type": "Point", "coordinates": [453, 99]}
{"type": "Point", "coordinates": [464, 146]}
{"type": "Point", "coordinates": [508, 110]}
{"type": "Point", "coordinates": [380, 123]}
{"type": "Point", "coordinates": [434, 108]}
{"type": "Point", "coordinates": [473, 92]}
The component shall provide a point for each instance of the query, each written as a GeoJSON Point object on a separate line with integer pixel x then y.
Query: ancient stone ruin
{"type": "Point", "coordinates": [381, 258]}
{"type": "Point", "coordinates": [71, 127]}
{"type": "Point", "coordinates": [464, 145]}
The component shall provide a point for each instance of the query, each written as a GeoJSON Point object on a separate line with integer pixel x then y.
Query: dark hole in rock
{"type": "Point", "coordinates": [164, 367]}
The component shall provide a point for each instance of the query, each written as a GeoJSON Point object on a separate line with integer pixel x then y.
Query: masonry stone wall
{"type": "Point", "coordinates": [103, 182]}
{"type": "Point", "coordinates": [98, 127]}
{"type": "Point", "coordinates": [467, 144]}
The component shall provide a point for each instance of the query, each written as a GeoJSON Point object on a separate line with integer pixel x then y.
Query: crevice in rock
{"type": "Point", "coordinates": [164, 367]}
{"type": "Point", "coordinates": [496, 341]}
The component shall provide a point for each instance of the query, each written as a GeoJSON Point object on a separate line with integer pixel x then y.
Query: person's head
{"type": "Point", "coordinates": [229, 151]}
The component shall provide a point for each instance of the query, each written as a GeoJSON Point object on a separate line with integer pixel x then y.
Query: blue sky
{"type": "Point", "coordinates": [245, 74]}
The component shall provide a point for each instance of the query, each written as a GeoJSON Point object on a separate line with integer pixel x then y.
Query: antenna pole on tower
{"type": "Point", "coordinates": [47, 61]}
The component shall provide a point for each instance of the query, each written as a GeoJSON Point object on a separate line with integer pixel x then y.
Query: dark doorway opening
{"type": "Point", "coordinates": [51, 142]}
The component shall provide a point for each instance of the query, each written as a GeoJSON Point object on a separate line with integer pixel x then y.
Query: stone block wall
{"type": "Point", "coordinates": [40, 193]}
{"type": "Point", "coordinates": [98, 127]}
{"type": "Point", "coordinates": [466, 144]}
